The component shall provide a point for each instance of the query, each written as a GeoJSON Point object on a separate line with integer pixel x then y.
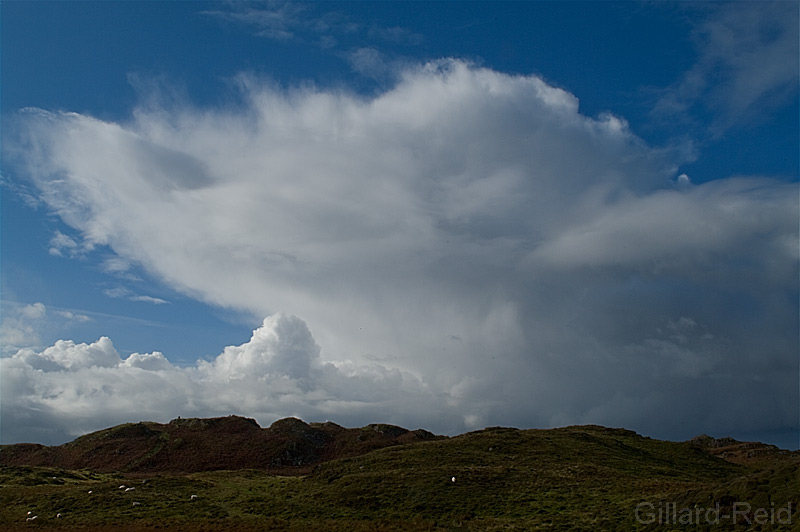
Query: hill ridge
{"type": "Point", "coordinates": [296, 476]}
{"type": "Point", "coordinates": [290, 445]}
{"type": "Point", "coordinates": [188, 445]}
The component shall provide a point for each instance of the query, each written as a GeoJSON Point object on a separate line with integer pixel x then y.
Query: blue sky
{"type": "Point", "coordinates": [444, 215]}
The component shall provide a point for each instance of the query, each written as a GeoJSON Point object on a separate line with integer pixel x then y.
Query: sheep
{"type": "Point", "coordinates": [123, 487]}
{"type": "Point", "coordinates": [58, 516]}
{"type": "Point", "coordinates": [129, 489]}
{"type": "Point", "coordinates": [453, 479]}
{"type": "Point", "coordinates": [193, 498]}
{"type": "Point", "coordinates": [89, 492]}
{"type": "Point", "coordinates": [32, 518]}
{"type": "Point", "coordinates": [136, 503]}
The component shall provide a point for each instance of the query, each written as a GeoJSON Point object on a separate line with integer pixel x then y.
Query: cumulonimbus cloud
{"type": "Point", "coordinates": [468, 233]}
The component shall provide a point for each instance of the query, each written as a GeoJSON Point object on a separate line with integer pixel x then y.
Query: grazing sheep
{"type": "Point", "coordinates": [193, 498]}
{"type": "Point", "coordinates": [32, 518]}
{"type": "Point", "coordinates": [453, 479]}
{"type": "Point", "coordinates": [58, 516]}
{"type": "Point", "coordinates": [89, 492]}
{"type": "Point", "coordinates": [123, 487]}
{"type": "Point", "coordinates": [129, 489]}
{"type": "Point", "coordinates": [135, 503]}
{"type": "Point", "coordinates": [29, 512]}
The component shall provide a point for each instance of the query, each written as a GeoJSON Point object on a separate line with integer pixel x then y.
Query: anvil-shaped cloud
{"type": "Point", "coordinates": [467, 248]}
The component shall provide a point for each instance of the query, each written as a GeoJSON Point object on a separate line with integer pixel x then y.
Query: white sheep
{"type": "Point", "coordinates": [58, 516]}
{"type": "Point", "coordinates": [135, 503]}
{"type": "Point", "coordinates": [89, 492]}
{"type": "Point", "coordinates": [123, 487]}
{"type": "Point", "coordinates": [193, 498]}
{"type": "Point", "coordinates": [129, 489]}
{"type": "Point", "coordinates": [453, 479]}
{"type": "Point", "coordinates": [32, 518]}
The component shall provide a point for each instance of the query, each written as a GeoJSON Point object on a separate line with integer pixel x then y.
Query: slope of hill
{"type": "Point", "coordinates": [572, 478]}
{"type": "Point", "coordinates": [288, 446]}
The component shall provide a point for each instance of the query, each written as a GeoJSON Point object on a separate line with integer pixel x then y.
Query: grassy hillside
{"type": "Point", "coordinates": [288, 446]}
{"type": "Point", "coordinates": [575, 478]}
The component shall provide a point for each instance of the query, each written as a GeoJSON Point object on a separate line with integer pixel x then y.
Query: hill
{"type": "Point", "coordinates": [188, 445]}
{"type": "Point", "coordinates": [571, 478]}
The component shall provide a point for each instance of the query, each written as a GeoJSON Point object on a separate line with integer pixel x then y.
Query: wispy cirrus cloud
{"type": "Point", "coordinates": [396, 34]}
{"type": "Point", "coordinates": [275, 20]}
{"type": "Point", "coordinates": [465, 239]}
{"type": "Point", "coordinates": [329, 30]}
{"type": "Point", "coordinates": [289, 21]}
{"type": "Point", "coordinates": [63, 245]}
{"type": "Point", "coordinates": [121, 292]}
{"type": "Point", "coordinates": [746, 66]}
{"type": "Point", "coordinates": [22, 325]}
{"type": "Point", "coordinates": [149, 299]}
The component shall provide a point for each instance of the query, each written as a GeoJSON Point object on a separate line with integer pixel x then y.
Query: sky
{"type": "Point", "coordinates": [444, 215]}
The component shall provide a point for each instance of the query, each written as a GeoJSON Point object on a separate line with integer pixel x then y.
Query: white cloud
{"type": "Point", "coordinates": [466, 246]}
{"type": "Point", "coordinates": [73, 388]}
{"type": "Point", "coordinates": [73, 317]}
{"type": "Point", "coordinates": [668, 228]}
{"type": "Point", "coordinates": [149, 299]}
{"type": "Point", "coordinates": [369, 62]}
{"type": "Point", "coordinates": [19, 326]}
{"type": "Point", "coordinates": [33, 311]}
{"type": "Point", "coordinates": [155, 361]}
{"type": "Point", "coordinates": [67, 355]}
{"type": "Point", "coordinates": [117, 292]}
{"type": "Point", "coordinates": [116, 265]}
{"type": "Point", "coordinates": [25, 326]}
{"type": "Point", "coordinates": [282, 346]}
{"type": "Point", "coordinates": [62, 244]}
{"type": "Point", "coordinates": [121, 292]}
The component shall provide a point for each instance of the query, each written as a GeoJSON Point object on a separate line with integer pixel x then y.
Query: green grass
{"type": "Point", "coordinates": [580, 478]}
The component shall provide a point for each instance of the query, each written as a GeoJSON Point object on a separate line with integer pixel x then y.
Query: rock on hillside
{"type": "Point", "coordinates": [288, 446]}
{"type": "Point", "coordinates": [736, 451]}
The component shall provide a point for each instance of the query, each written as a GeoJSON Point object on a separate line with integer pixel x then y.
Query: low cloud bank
{"type": "Point", "coordinates": [69, 389]}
